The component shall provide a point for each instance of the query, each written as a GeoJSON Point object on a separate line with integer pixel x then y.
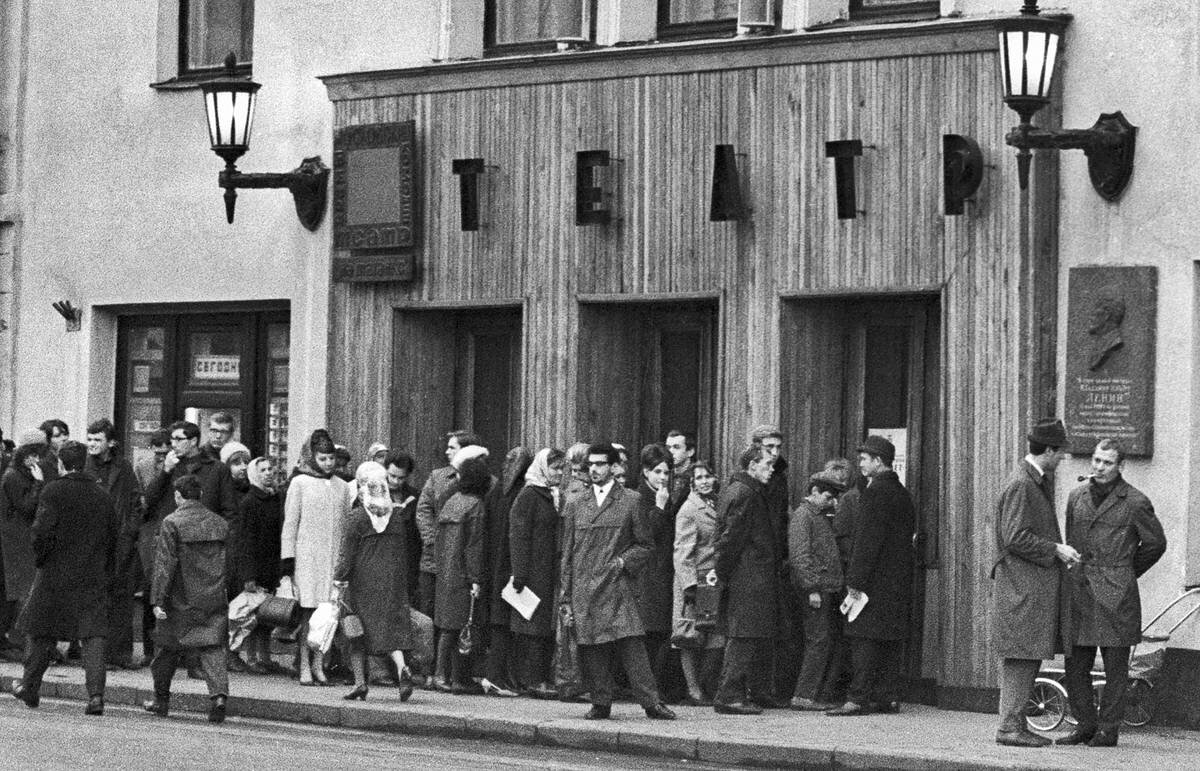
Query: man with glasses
{"type": "Point", "coordinates": [220, 433]}
{"type": "Point", "coordinates": [185, 458]}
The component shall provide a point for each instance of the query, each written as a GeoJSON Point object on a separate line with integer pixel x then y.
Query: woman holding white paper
{"type": "Point", "coordinates": [533, 537]}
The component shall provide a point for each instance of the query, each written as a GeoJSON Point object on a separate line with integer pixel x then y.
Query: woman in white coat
{"type": "Point", "coordinates": [318, 505]}
{"type": "Point", "coordinates": [696, 531]}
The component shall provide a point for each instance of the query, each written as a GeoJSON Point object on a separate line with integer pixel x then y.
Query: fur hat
{"type": "Point", "coordinates": [1050, 432]}
{"type": "Point", "coordinates": [470, 451]}
{"type": "Point", "coordinates": [31, 436]}
{"type": "Point", "coordinates": [878, 446]}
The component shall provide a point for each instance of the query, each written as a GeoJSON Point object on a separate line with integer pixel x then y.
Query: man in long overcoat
{"type": "Point", "coordinates": [1028, 575]}
{"type": "Point", "coordinates": [73, 551]}
{"type": "Point", "coordinates": [881, 569]}
{"type": "Point", "coordinates": [606, 542]}
{"type": "Point", "coordinates": [1113, 527]}
{"type": "Point", "coordinates": [188, 595]}
{"type": "Point", "coordinates": [749, 550]}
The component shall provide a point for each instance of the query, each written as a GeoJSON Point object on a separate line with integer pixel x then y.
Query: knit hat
{"type": "Point", "coordinates": [375, 449]}
{"type": "Point", "coordinates": [31, 436]}
{"type": "Point", "coordinates": [229, 449]}
{"type": "Point", "coordinates": [878, 446]}
{"type": "Point", "coordinates": [828, 479]}
{"type": "Point", "coordinates": [470, 451]}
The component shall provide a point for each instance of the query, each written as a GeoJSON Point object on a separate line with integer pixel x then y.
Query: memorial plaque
{"type": "Point", "coordinates": [375, 215]}
{"type": "Point", "coordinates": [1111, 323]}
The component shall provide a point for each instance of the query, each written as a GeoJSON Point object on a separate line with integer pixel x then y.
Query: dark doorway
{"type": "Point", "coordinates": [851, 366]}
{"type": "Point", "coordinates": [186, 366]}
{"type": "Point", "coordinates": [457, 369]}
{"type": "Point", "coordinates": [647, 368]}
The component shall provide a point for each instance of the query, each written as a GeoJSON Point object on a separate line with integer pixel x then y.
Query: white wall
{"type": "Point", "coordinates": [120, 202]}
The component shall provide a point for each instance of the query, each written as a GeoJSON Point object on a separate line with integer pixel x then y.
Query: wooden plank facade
{"type": "Point", "coordinates": [988, 365]}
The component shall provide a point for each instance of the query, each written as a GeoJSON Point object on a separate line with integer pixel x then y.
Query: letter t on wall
{"type": "Point", "coordinates": [469, 170]}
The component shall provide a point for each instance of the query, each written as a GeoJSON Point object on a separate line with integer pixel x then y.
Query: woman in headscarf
{"type": "Point", "coordinates": [371, 579]}
{"type": "Point", "coordinates": [318, 504]}
{"type": "Point", "coordinates": [459, 551]}
{"type": "Point", "coordinates": [236, 457]}
{"type": "Point", "coordinates": [498, 680]}
{"type": "Point", "coordinates": [533, 541]}
{"type": "Point", "coordinates": [696, 531]}
{"type": "Point", "coordinates": [261, 515]}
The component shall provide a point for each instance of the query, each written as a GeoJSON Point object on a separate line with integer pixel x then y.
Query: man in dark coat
{"type": "Point", "coordinates": [880, 580]}
{"type": "Point", "coordinates": [1113, 527]}
{"type": "Point", "coordinates": [789, 638]}
{"type": "Point", "coordinates": [748, 552]}
{"type": "Point", "coordinates": [1028, 575]}
{"type": "Point", "coordinates": [20, 486]}
{"type": "Point", "coordinates": [606, 543]}
{"type": "Point", "coordinates": [115, 474]}
{"type": "Point", "coordinates": [188, 596]}
{"type": "Point", "coordinates": [73, 548]}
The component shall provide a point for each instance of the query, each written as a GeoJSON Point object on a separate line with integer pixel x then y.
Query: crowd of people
{"type": "Point", "coordinates": [583, 574]}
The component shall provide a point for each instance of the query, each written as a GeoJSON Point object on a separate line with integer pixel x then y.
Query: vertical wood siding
{"type": "Point", "coordinates": [663, 129]}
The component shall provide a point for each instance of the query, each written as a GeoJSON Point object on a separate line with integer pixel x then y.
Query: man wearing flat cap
{"type": "Point", "coordinates": [1028, 574]}
{"type": "Point", "coordinates": [881, 569]}
{"type": "Point", "coordinates": [816, 573]}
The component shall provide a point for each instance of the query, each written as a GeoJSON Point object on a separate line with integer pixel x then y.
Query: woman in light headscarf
{"type": "Point", "coordinates": [371, 579]}
{"type": "Point", "coordinates": [499, 680]}
{"type": "Point", "coordinates": [533, 543]}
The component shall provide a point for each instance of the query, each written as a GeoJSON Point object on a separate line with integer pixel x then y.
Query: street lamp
{"type": "Point", "coordinates": [229, 106]}
{"type": "Point", "coordinates": [1028, 54]}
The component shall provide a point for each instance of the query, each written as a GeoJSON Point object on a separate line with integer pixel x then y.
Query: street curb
{"type": "Point", "coordinates": [569, 733]}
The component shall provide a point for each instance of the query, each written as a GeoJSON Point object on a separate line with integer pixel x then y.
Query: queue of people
{"type": "Point", "coordinates": [666, 587]}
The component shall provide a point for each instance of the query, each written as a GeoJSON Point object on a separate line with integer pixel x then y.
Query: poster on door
{"type": "Point", "coordinates": [899, 438]}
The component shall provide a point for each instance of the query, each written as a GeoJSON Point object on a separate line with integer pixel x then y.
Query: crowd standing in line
{"type": "Point", "coordinates": [663, 586]}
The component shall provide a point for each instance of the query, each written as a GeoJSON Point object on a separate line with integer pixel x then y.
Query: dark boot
{"type": "Point", "coordinates": [157, 706]}
{"type": "Point", "coordinates": [27, 695]}
{"type": "Point", "coordinates": [1105, 737]}
{"type": "Point", "coordinates": [95, 706]}
{"type": "Point", "coordinates": [216, 713]}
{"type": "Point", "coordinates": [1080, 735]}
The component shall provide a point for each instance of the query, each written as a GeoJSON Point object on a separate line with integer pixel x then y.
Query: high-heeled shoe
{"type": "Point", "coordinates": [406, 684]}
{"type": "Point", "coordinates": [359, 692]}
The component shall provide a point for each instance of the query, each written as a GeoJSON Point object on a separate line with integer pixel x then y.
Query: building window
{"type": "Point", "coordinates": [893, 10]}
{"type": "Point", "coordinates": [517, 26]}
{"type": "Point", "coordinates": [210, 29]}
{"type": "Point", "coordinates": [697, 18]}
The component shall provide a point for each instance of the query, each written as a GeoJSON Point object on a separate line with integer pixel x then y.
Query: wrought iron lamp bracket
{"type": "Point", "coordinates": [1109, 146]}
{"type": "Point", "coordinates": [309, 183]}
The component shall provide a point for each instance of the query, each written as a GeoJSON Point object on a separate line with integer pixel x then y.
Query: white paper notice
{"type": "Point", "coordinates": [852, 606]}
{"type": "Point", "coordinates": [524, 602]}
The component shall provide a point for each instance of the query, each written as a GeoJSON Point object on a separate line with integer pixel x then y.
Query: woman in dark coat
{"type": "Point", "coordinates": [260, 513]}
{"type": "Point", "coordinates": [533, 539]}
{"type": "Point", "coordinates": [32, 466]}
{"type": "Point", "coordinates": [459, 549]}
{"type": "Point", "coordinates": [497, 504]}
{"type": "Point", "coordinates": [656, 580]}
{"type": "Point", "coordinates": [371, 579]}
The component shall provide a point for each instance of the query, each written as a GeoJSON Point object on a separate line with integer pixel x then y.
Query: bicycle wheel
{"type": "Point", "coordinates": [1139, 702]}
{"type": "Point", "coordinates": [1047, 705]}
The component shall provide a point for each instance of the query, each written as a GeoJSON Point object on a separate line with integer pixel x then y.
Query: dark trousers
{"type": "Point", "coordinates": [658, 651]}
{"type": "Point", "coordinates": [499, 655]}
{"type": "Point", "coordinates": [746, 671]}
{"type": "Point", "coordinates": [426, 583]}
{"type": "Point", "coordinates": [148, 622]}
{"type": "Point", "coordinates": [876, 670]}
{"type": "Point", "coordinates": [39, 651]}
{"type": "Point", "coordinates": [538, 653]}
{"type": "Point", "coordinates": [599, 661]}
{"type": "Point", "coordinates": [120, 611]}
{"type": "Point", "coordinates": [820, 668]}
{"type": "Point", "coordinates": [211, 663]}
{"type": "Point", "coordinates": [1079, 687]}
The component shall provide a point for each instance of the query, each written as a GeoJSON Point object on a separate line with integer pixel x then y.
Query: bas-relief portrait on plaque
{"type": "Point", "coordinates": [1112, 317]}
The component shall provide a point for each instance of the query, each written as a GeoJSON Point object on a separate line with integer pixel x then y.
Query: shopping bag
{"type": "Point", "coordinates": [322, 626]}
{"type": "Point", "coordinates": [243, 617]}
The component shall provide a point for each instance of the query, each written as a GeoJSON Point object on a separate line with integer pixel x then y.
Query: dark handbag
{"type": "Point", "coordinates": [708, 605]}
{"type": "Point", "coordinates": [351, 625]}
{"type": "Point", "coordinates": [468, 634]}
{"type": "Point", "coordinates": [684, 633]}
{"type": "Point", "coordinates": [279, 612]}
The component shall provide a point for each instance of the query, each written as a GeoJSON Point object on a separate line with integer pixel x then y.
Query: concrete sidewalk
{"type": "Point", "coordinates": [917, 738]}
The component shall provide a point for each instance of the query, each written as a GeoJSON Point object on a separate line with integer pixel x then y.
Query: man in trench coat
{"type": "Point", "coordinates": [73, 551]}
{"type": "Point", "coordinates": [188, 596]}
{"type": "Point", "coordinates": [1113, 527]}
{"type": "Point", "coordinates": [606, 543]}
{"type": "Point", "coordinates": [881, 568]}
{"type": "Point", "coordinates": [1028, 574]}
{"type": "Point", "coordinates": [748, 552]}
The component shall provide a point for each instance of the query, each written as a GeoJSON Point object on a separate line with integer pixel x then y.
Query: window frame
{"type": "Point", "coordinates": [694, 30]}
{"type": "Point", "coordinates": [492, 48]}
{"type": "Point", "coordinates": [913, 10]}
{"type": "Point", "coordinates": [185, 70]}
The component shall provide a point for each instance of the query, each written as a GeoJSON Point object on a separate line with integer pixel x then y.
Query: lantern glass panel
{"type": "Point", "coordinates": [756, 13]}
{"type": "Point", "coordinates": [1028, 61]}
{"type": "Point", "coordinates": [230, 117]}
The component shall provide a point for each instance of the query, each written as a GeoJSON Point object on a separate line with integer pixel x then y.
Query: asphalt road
{"type": "Point", "coordinates": [59, 735]}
